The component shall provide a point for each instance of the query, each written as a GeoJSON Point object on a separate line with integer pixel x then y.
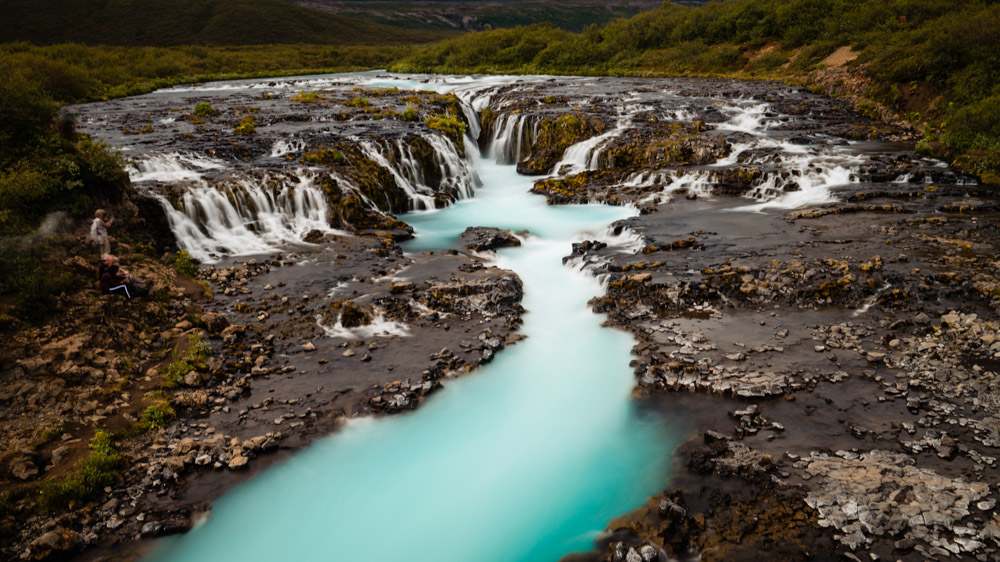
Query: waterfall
{"type": "Point", "coordinates": [457, 177]}
{"type": "Point", "coordinates": [509, 139]}
{"type": "Point", "coordinates": [419, 195]}
{"type": "Point", "coordinates": [248, 216]}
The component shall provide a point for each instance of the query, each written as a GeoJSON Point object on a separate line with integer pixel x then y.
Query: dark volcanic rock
{"type": "Point", "coordinates": [484, 238]}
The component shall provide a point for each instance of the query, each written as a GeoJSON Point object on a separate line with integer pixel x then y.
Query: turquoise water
{"type": "Point", "coordinates": [526, 459]}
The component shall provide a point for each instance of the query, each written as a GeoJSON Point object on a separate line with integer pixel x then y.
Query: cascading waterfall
{"type": "Point", "coordinates": [510, 140]}
{"type": "Point", "coordinates": [283, 147]}
{"type": "Point", "coordinates": [247, 216]}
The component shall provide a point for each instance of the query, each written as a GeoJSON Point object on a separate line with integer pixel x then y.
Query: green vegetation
{"type": "Point", "coordinates": [307, 97]}
{"type": "Point", "coordinates": [325, 156]}
{"type": "Point", "coordinates": [573, 15]}
{"type": "Point", "coordinates": [933, 61]}
{"type": "Point", "coordinates": [448, 124]}
{"type": "Point", "coordinates": [185, 265]}
{"type": "Point", "coordinates": [193, 22]}
{"type": "Point", "coordinates": [98, 470]}
{"type": "Point", "coordinates": [409, 114]}
{"type": "Point", "coordinates": [246, 126]}
{"type": "Point", "coordinates": [184, 362]}
{"type": "Point", "coordinates": [205, 109]}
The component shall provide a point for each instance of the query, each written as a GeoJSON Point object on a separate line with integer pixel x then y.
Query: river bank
{"type": "Point", "coordinates": [864, 366]}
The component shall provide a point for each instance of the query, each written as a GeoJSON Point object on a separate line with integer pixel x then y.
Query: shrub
{"type": "Point", "coordinates": [246, 126]}
{"type": "Point", "coordinates": [182, 364]}
{"type": "Point", "coordinates": [205, 109]}
{"type": "Point", "coordinates": [93, 474]}
{"type": "Point", "coordinates": [185, 265]}
{"type": "Point", "coordinates": [306, 97]}
{"type": "Point", "coordinates": [157, 416]}
{"type": "Point", "coordinates": [409, 114]}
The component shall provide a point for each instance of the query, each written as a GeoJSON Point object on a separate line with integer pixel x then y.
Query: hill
{"type": "Point", "coordinates": [478, 15]}
{"type": "Point", "coordinates": [192, 22]}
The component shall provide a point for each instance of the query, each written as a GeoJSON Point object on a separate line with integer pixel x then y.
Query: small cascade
{"type": "Point", "coordinates": [173, 167]}
{"type": "Point", "coordinates": [746, 119]}
{"type": "Point", "coordinates": [285, 146]}
{"type": "Point", "coordinates": [512, 138]}
{"type": "Point", "coordinates": [421, 197]}
{"type": "Point", "coordinates": [584, 155]}
{"type": "Point", "coordinates": [248, 216]}
{"type": "Point", "coordinates": [457, 175]}
{"type": "Point", "coordinates": [457, 178]}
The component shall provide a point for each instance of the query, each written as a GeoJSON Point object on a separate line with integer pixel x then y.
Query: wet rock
{"type": "Point", "coordinates": [481, 238]}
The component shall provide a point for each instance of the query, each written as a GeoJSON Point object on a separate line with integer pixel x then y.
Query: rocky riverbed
{"type": "Point", "coordinates": [837, 353]}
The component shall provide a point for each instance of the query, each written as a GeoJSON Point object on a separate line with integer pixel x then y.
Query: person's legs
{"type": "Point", "coordinates": [120, 290]}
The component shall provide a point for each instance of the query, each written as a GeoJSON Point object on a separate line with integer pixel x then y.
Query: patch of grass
{"type": "Point", "coordinates": [409, 114]}
{"type": "Point", "coordinates": [359, 102]}
{"type": "Point", "coordinates": [93, 474]}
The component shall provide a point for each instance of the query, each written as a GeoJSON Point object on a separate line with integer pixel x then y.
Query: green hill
{"type": "Point", "coordinates": [191, 22]}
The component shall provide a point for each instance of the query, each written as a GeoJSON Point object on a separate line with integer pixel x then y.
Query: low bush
{"type": "Point", "coordinates": [92, 475]}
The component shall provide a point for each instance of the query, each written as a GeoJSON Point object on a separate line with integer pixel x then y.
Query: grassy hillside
{"type": "Point", "coordinates": [191, 22]}
{"type": "Point", "coordinates": [934, 62]}
{"type": "Point", "coordinates": [572, 15]}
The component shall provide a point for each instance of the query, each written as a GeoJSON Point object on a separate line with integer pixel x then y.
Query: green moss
{"type": "Point", "coordinates": [450, 125]}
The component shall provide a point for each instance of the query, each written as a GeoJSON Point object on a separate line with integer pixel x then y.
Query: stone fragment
{"type": "Point", "coordinates": [309, 346]}
{"type": "Point", "coordinates": [238, 462]}
{"type": "Point", "coordinates": [56, 541]}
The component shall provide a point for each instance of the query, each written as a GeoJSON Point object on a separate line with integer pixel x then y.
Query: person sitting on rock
{"type": "Point", "coordinates": [99, 231]}
{"type": "Point", "coordinates": [114, 282]}
{"type": "Point", "coordinates": [107, 260]}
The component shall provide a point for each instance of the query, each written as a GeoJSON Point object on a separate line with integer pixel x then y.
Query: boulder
{"type": "Point", "coordinates": [56, 541]}
{"type": "Point", "coordinates": [215, 322]}
{"type": "Point", "coordinates": [482, 239]}
{"type": "Point", "coordinates": [193, 379]}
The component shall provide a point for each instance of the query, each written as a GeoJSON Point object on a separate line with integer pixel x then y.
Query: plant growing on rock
{"type": "Point", "coordinates": [409, 114]}
{"type": "Point", "coordinates": [93, 474]}
{"type": "Point", "coordinates": [246, 126]}
{"type": "Point", "coordinates": [205, 109]}
{"type": "Point", "coordinates": [307, 97]}
{"type": "Point", "coordinates": [450, 125]}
